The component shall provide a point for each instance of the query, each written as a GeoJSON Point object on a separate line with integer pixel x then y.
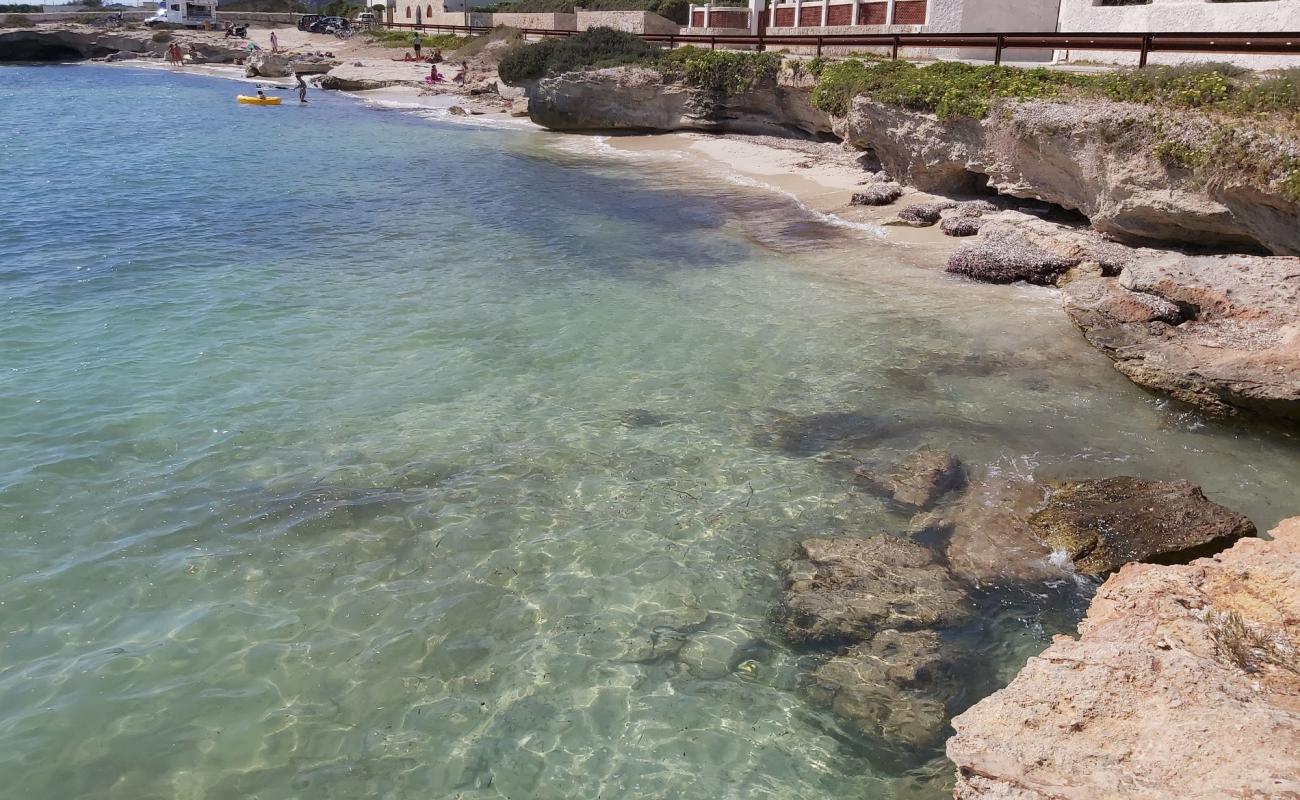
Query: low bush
{"type": "Point", "coordinates": [402, 39]}
{"type": "Point", "coordinates": [21, 8]}
{"type": "Point", "coordinates": [720, 70]}
{"type": "Point", "coordinates": [17, 21]}
{"type": "Point", "coordinates": [162, 36]}
{"type": "Point", "coordinates": [597, 47]}
{"type": "Point", "coordinates": [955, 89]}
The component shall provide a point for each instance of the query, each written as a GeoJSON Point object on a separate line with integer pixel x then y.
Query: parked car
{"type": "Point", "coordinates": [305, 21]}
{"type": "Point", "coordinates": [330, 25]}
{"type": "Point", "coordinates": [365, 21]}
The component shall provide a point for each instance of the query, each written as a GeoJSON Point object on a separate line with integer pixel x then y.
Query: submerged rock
{"type": "Point", "coordinates": [1182, 684]}
{"type": "Point", "coordinates": [896, 686]}
{"type": "Point", "coordinates": [720, 652]}
{"type": "Point", "coordinates": [640, 418]}
{"type": "Point", "coordinates": [1104, 524]}
{"type": "Point", "coordinates": [1007, 257]}
{"type": "Point", "coordinates": [919, 480]}
{"type": "Point", "coordinates": [876, 194]}
{"type": "Point", "coordinates": [847, 590]}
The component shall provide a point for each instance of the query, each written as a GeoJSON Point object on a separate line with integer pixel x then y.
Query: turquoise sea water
{"type": "Point", "coordinates": [353, 454]}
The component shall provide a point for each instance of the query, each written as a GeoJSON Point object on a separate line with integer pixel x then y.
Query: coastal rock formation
{"type": "Point", "coordinates": [1003, 256]}
{"type": "Point", "coordinates": [1221, 333]}
{"type": "Point", "coordinates": [68, 45]}
{"type": "Point", "coordinates": [266, 65]}
{"type": "Point", "coordinates": [919, 480]}
{"type": "Point", "coordinates": [847, 590]}
{"type": "Point", "coordinates": [638, 98]}
{"type": "Point", "coordinates": [1103, 524]}
{"type": "Point", "coordinates": [1080, 155]}
{"type": "Point", "coordinates": [1182, 684]}
{"type": "Point", "coordinates": [896, 686]}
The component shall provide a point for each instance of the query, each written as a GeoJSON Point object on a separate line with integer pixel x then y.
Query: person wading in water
{"type": "Point", "coordinates": [302, 88]}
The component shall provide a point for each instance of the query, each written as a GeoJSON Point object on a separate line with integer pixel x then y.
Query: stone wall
{"type": "Point", "coordinates": [553, 22]}
{"type": "Point", "coordinates": [1082, 16]}
{"type": "Point", "coordinates": [630, 21]}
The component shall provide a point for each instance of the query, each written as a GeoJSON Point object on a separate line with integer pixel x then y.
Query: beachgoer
{"type": "Point", "coordinates": [407, 57]}
{"type": "Point", "coordinates": [434, 77]}
{"type": "Point", "coordinates": [194, 53]}
{"type": "Point", "coordinates": [461, 73]}
{"type": "Point", "coordinates": [302, 88]}
{"type": "Point", "coordinates": [436, 58]}
{"type": "Point", "coordinates": [261, 95]}
{"type": "Point", "coordinates": [230, 29]}
{"type": "Point", "coordinates": [415, 44]}
{"type": "Point", "coordinates": [275, 43]}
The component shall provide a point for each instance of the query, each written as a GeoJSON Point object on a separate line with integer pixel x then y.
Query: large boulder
{"type": "Point", "coordinates": [265, 65]}
{"type": "Point", "coordinates": [1221, 333]}
{"type": "Point", "coordinates": [895, 687]}
{"type": "Point", "coordinates": [1183, 685]}
{"type": "Point", "coordinates": [847, 590]}
{"type": "Point", "coordinates": [1005, 257]}
{"type": "Point", "coordinates": [1104, 524]}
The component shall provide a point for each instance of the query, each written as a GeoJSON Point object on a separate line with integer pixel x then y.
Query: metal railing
{"type": "Point", "coordinates": [1144, 44]}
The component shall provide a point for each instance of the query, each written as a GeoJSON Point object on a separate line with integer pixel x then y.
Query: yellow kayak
{"type": "Point", "coordinates": [258, 101]}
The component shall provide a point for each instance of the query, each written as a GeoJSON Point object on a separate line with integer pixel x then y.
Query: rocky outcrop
{"type": "Point", "coordinates": [1095, 157]}
{"type": "Point", "coordinates": [638, 98]}
{"type": "Point", "coordinates": [266, 65]}
{"type": "Point", "coordinates": [1182, 684]}
{"type": "Point", "coordinates": [68, 45]}
{"type": "Point", "coordinates": [848, 590]}
{"type": "Point", "coordinates": [1013, 530]}
{"type": "Point", "coordinates": [1221, 333]}
{"type": "Point", "coordinates": [1104, 524]}
{"type": "Point", "coordinates": [1003, 256]}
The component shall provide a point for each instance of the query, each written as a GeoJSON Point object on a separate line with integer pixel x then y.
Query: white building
{"type": "Point", "coordinates": [1179, 16]}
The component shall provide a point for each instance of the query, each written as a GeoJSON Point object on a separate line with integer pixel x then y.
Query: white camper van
{"type": "Point", "coordinates": [190, 13]}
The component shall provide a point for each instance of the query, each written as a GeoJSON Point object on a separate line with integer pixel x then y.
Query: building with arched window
{"type": "Point", "coordinates": [419, 11]}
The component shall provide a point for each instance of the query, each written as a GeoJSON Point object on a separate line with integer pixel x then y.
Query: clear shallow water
{"type": "Point", "coordinates": [350, 454]}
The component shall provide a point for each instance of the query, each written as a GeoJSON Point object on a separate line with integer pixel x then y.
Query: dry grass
{"type": "Point", "coordinates": [1250, 648]}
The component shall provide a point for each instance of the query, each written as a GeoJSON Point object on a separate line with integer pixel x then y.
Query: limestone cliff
{"type": "Point", "coordinates": [1096, 157]}
{"type": "Point", "coordinates": [638, 98]}
{"type": "Point", "coordinates": [1184, 683]}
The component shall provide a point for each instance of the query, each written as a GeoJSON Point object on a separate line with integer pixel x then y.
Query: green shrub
{"type": "Point", "coordinates": [1178, 154]}
{"type": "Point", "coordinates": [597, 47]}
{"type": "Point", "coordinates": [162, 36]}
{"type": "Point", "coordinates": [17, 21]}
{"type": "Point", "coordinates": [21, 8]}
{"type": "Point", "coordinates": [720, 70]}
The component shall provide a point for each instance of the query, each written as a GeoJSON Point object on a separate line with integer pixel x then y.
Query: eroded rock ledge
{"type": "Point", "coordinates": [1183, 683]}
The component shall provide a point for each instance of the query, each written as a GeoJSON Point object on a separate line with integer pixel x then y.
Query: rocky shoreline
{"type": "Point", "coordinates": [1176, 650]}
{"type": "Point", "coordinates": [1218, 332]}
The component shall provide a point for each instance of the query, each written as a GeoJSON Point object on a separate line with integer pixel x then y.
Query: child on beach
{"type": "Point", "coordinates": [302, 88]}
{"type": "Point", "coordinates": [461, 73]}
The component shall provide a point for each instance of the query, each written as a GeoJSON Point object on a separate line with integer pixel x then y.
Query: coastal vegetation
{"type": "Point", "coordinates": [950, 89]}
{"type": "Point", "coordinates": [17, 21]}
{"type": "Point", "coordinates": [717, 70]}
